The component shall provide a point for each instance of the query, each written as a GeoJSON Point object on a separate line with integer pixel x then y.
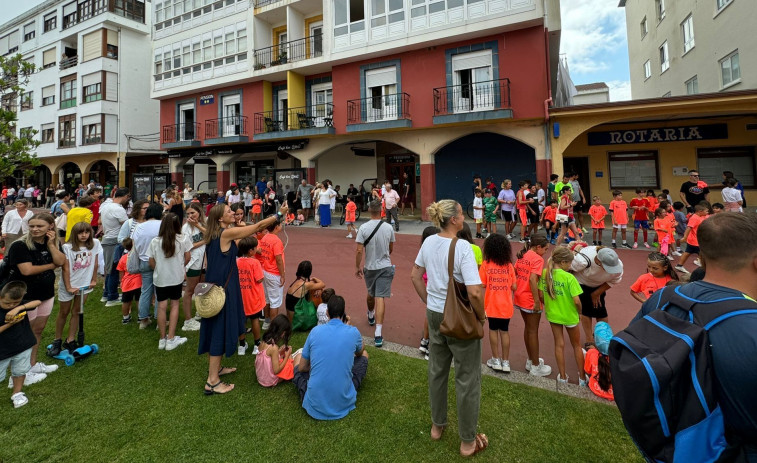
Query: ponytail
{"type": "Point", "coordinates": [604, 378]}
{"type": "Point", "coordinates": [536, 240]}
{"type": "Point", "coordinates": [549, 281]}
{"type": "Point", "coordinates": [657, 256]}
{"type": "Point", "coordinates": [559, 255]}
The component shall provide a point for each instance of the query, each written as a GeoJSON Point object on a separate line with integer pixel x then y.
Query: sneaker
{"type": "Point", "coordinates": [197, 317]}
{"type": "Point", "coordinates": [681, 268]}
{"type": "Point", "coordinates": [378, 341]}
{"type": "Point", "coordinates": [55, 348]}
{"type": "Point", "coordinates": [31, 378]}
{"type": "Point", "coordinates": [552, 242]}
{"type": "Point", "coordinates": [529, 364]}
{"type": "Point", "coordinates": [103, 299]}
{"type": "Point", "coordinates": [655, 244]}
{"type": "Point", "coordinates": [562, 380]}
{"type": "Point", "coordinates": [40, 367]}
{"type": "Point", "coordinates": [144, 323]}
{"type": "Point", "coordinates": [540, 369]}
{"type": "Point", "coordinates": [349, 236]}
{"type": "Point", "coordinates": [190, 325]}
{"type": "Point", "coordinates": [424, 346]}
{"type": "Point", "coordinates": [635, 245]}
{"type": "Point", "coordinates": [113, 303]}
{"type": "Point", "coordinates": [266, 325]}
{"type": "Point", "coordinates": [615, 245]}
{"type": "Point", "coordinates": [175, 342]}
{"type": "Point", "coordinates": [19, 399]}
{"type": "Point", "coordinates": [425, 357]}
{"type": "Point", "coordinates": [583, 382]}
{"type": "Point", "coordinates": [646, 245]}
{"type": "Point", "coordinates": [371, 320]}
{"type": "Point", "coordinates": [126, 320]}
{"type": "Point", "coordinates": [494, 364]}
{"type": "Point", "coordinates": [675, 253]}
{"type": "Point", "coordinates": [162, 344]}
{"type": "Point", "coordinates": [627, 245]}
{"type": "Point", "coordinates": [522, 240]}
{"type": "Point", "coordinates": [697, 262]}
{"type": "Point", "coordinates": [241, 350]}
{"type": "Point", "coordinates": [71, 346]}
{"type": "Point", "coordinates": [255, 351]}
{"type": "Point", "coordinates": [505, 366]}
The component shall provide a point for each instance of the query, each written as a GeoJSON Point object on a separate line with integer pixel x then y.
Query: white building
{"type": "Point", "coordinates": [597, 92]}
{"type": "Point", "coordinates": [91, 87]}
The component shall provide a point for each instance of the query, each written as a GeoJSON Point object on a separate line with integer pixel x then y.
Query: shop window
{"type": "Point", "coordinates": [632, 169]}
{"type": "Point", "coordinates": [712, 162]}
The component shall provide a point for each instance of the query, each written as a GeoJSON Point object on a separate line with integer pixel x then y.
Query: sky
{"type": "Point", "coordinates": [593, 41]}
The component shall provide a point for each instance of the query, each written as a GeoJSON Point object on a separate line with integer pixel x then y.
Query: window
{"type": "Point", "coordinates": [68, 92]}
{"type": "Point", "coordinates": [383, 11]}
{"type": "Point", "coordinates": [48, 95]}
{"type": "Point", "coordinates": [738, 159]}
{"type": "Point", "coordinates": [92, 45]}
{"type": "Point", "coordinates": [687, 29]}
{"type": "Point", "coordinates": [69, 15]}
{"type": "Point", "coordinates": [322, 99]}
{"type": "Point", "coordinates": [723, 3]}
{"type": "Point", "coordinates": [51, 22]}
{"type": "Point", "coordinates": [186, 122]}
{"type": "Point", "coordinates": [730, 69]}
{"type": "Point", "coordinates": [647, 69]}
{"type": "Point", "coordinates": [349, 16]}
{"type": "Point", "coordinates": [692, 86]}
{"type": "Point", "coordinates": [27, 101]}
{"type": "Point", "coordinates": [91, 129]}
{"type": "Point", "coordinates": [644, 27]}
{"type": "Point", "coordinates": [381, 86]}
{"type": "Point", "coordinates": [92, 87]}
{"type": "Point", "coordinates": [48, 58]}
{"type": "Point", "coordinates": [242, 40]}
{"type": "Point", "coordinates": [111, 49]}
{"type": "Point", "coordinates": [29, 31]}
{"type": "Point", "coordinates": [660, 9]}
{"type": "Point", "coordinates": [632, 169]}
{"type": "Point", "coordinates": [67, 131]}
{"type": "Point", "coordinates": [664, 57]}
{"type": "Point", "coordinates": [9, 43]}
{"type": "Point", "coordinates": [26, 132]}
{"type": "Point", "coordinates": [473, 89]}
{"type": "Point", "coordinates": [232, 109]}
{"type": "Point", "coordinates": [48, 133]}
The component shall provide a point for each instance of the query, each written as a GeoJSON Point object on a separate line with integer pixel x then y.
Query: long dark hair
{"type": "Point", "coordinates": [304, 270]}
{"type": "Point", "coordinates": [170, 226]}
{"type": "Point", "coordinates": [279, 330]}
{"type": "Point", "coordinates": [535, 240]}
{"type": "Point", "coordinates": [497, 250]}
{"type": "Point", "coordinates": [429, 231]}
{"type": "Point", "coordinates": [604, 378]}
{"type": "Point", "coordinates": [465, 234]}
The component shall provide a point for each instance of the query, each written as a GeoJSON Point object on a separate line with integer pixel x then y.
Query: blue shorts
{"type": "Point", "coordinates": [641, 224]}
{"type": "Point", "coordinates": [692, 249]}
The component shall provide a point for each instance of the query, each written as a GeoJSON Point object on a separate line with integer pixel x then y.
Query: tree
{"type": "Point", "coordinates": [17, 150]}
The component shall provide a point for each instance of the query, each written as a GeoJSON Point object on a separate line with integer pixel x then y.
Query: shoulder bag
{"type": "Point", "coordinates": [368, 240]}
{"type": "Point", "coordinates": [461, 319]}
{"type": "Point", "coordinates": [305, 314]}
{"type": "Point", "coordinates": [210, 298]}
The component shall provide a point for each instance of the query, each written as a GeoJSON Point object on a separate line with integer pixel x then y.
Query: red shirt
{"type": "Point", "coordinates": [530, 263]}
{"type": "Point", "coordinates": [641, 213]}
{"type": "Point", "coordinates": [498, 281]}
{"type": "Point", "coordinates": [95, 208]}
{"type": "Point", "coordinates": [130, 281]}
{"type": "Point", "coordinates": [251, 284]}
{"type": "Point", "coordinates": [270, 247]}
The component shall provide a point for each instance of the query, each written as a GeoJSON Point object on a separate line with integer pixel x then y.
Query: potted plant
{"type": "Point", "coordinates": [283, 57]}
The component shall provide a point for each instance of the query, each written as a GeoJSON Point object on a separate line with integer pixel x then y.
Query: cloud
{"type": "Point", "coordinates": [593, 33]}
{"type": "Point", "coordinates": [620, 90]}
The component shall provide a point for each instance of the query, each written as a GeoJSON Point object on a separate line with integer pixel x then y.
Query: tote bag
{"type": "Point", "coordinates": [305, 314]}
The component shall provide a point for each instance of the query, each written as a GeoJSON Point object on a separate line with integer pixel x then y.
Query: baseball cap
{"type": "Point", "coordinates": [610, 261]}
{"type": "Point", "coordinates": [233, 184]}
{"type": "Point", "coordinates": [602, 336]}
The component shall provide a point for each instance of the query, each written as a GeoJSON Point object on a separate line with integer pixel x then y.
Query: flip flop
{"type": "Point", "coordinates": [228, 371]}
{"type": "Point", "coordinates": [213, 387]}
{"type": "Point", "coordinates": [482, 442]}
{"type": "Point", "coordinates": [441, 433]}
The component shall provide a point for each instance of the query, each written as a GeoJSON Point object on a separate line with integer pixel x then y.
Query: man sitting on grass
{"type": "Point", "coordinates": [332, 366]}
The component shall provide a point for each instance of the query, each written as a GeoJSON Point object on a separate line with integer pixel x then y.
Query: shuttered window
{"type": "Point", "coordinates": [92, 45]}
{"type": "Point", "coordinates": [381, 77]}
{"type": "Point", "coordinates": [48, 95]}
{"type": "Point", "coordinates": [473, 60]}
{"type": "Point", "coordinates": [112, 44]}
{"type": "Point", "coordinates": [111, 86]}
{"type": "Point", "coordinates": [92, 87]}
{"type": "Point", "coordinates": [48, 58]}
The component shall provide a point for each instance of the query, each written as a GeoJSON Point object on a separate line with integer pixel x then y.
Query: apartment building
{"type": "Point", "coordinates": [89, 90]}
{"type": "Point", "coordinates": [685, 47]}
{"type": "Point", "coordinates": [355, 91]}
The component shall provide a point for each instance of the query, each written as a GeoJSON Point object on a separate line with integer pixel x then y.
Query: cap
{"type": "Point", "coordinates": [602, 336]}
{"type": "Point", "coordinates": [610, 261]}
{"type": "Point", "coordinates": [233, 184]}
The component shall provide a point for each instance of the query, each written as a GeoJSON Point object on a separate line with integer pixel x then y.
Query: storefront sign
{"type": "Point", "coordinates": [292, 146]}
{"type": "Point", "coordinates": [659, 135]}
{"type": "Point", "coordinates": [401, 159]}
{"type": "Point", "coordinates": [207, 99]}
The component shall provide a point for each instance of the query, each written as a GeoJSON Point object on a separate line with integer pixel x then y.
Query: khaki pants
{"type": "Point", "coordinates": [467, 357]}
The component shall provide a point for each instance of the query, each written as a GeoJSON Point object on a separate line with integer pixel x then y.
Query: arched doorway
{"type": "Point", "coordinates": [42, 177]}
{"type": "Point", "coordinates": [69, 175]}
{"type": "Point", "coordinates": [103, 172]}
{"type": "Point", "coordinates": [486, 154]}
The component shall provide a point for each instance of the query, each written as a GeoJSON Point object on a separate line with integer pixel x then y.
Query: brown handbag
{"type": "Point", "coordinates": [461, 319]}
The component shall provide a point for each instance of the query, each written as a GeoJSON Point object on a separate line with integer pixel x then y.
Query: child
{"type": "Point", "coordinates": [131, 283]}
{"type": "Point", "coordinates": [668, 198]}
{"type": "Point", "coordinates": [275, 363]}
{"type": "Point", "coordinates": [78, 278]}
{"type": "Point", "coordinates": [597, 363]}
{"type": "Point", "coordinates": [565, 210]}
{"type": "Point", "coordinates": [665, 228]}
{"type": "Point", "coordinates": [690, 236]}
{"type": "Point", "coordinates": [548, 217]}
{"type": "Point", "coordinates": [717, 208]}
{"type": "Point", "coordinates": [464, 234]}
{"type": "Point", "coordinates": [532, 211]}
{"type": "Point", "coordinates": [253, 295]}
{"type": "Point", "coordinates": [478, 212]}
{"type": "Point", "coordinates": [619, 210]}
{"type": "Point", "coordinates": [349, 216]}
{"type": "Point", "coordinates": [640, 207]}
{"type": "Point", "coordinates": [541, 197]}
{"type": "Point", "coordinates": [559, 293]}
{"type": "Point", "coordinates": [271, 256]}
{"type": "Point", "coordinates": [428, 231]}
{"type": "Point", "coordinates": [597, 212]}
{"type": "Point", "coordinates": [680, 218]}
{"type": "Point", "coordinates": [305, 285]}
{"type": "Point", "coordinates": [322, 310]}
{"type": "Point", "coordinates": [732, 196]}
{"type": "Point", "coordinates": [659, 273]}
{"type": "Point", "coordinates": [168, 255]}
{"type": "Point", "coordinates": [491, 206]}
{"type": "Point", "coordinates": [528, 269]}
{"type": "Point", "coordinates": [521, 202]}
{"type": "Point", "coordinates": [16, 338]}
{"type": "Point", "coordinates": [498, 277]}
{"type": "Point", "coordinates": [654, 203]}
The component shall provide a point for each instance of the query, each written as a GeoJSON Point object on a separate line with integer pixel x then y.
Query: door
{"type": "Point", "coordinates": [323, 98]}
{"type": "Point", "coordinates": [383, 103]}
{"type": "Point", "coordinates": [282, 116]}
{"type": "Point", "coordinates": [580, 166]}
{"type": "Point", "coordinates": [473, 89]}
{"type": "Point", "coordinates": [186, 122]}
{"type": "Point", "coordinates": [395, 168]}
{"type": "Point", "coordinates": [231, 113]}
{"type": "Point", "coordinates": [316, 41]}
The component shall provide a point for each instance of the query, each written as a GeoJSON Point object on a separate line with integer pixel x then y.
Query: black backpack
{"type": "Point", "coordinates": [663, 380]}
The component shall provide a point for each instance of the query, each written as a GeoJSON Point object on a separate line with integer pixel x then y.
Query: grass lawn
{"type": "Point", "coordinates": [132, 402]}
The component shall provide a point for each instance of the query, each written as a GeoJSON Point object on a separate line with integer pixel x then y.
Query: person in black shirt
{"type": "Point", "coordinates": [694, 191]}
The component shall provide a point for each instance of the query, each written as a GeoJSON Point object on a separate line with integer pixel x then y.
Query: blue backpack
{"type": "Point", "coordinates": [664, 384]}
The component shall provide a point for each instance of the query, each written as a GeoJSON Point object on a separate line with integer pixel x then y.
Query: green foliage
{"type": "Point", "coordinates": [17, 147]}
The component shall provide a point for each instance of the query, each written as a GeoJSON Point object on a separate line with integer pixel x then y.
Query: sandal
{"type": "Point", "coordinates": [482, 442]}
{"type": "Point", "coordinates": [229, 370]}
{"type": "Point", "coordinates": [441, 432]}
{"type": "Point", "coordinates": [213, 387]}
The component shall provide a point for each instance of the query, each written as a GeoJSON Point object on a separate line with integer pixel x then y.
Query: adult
{"type": "Point", "coordinates": [80, 213]}
{"type": "Point", "coordinates": [407, 198]}
{"type": "Point", "coordinates": [233, 195]}
{"type": "Point", "coordinates": [16, 221]}
{"type": "Point", "coordinates": [332, 366]}
{"type": "Point", "coordinates": [506, 199]}
{"type": "Point", "coordinates": [377, 241]}
{"type": "Point", "coordinates": [597, 269]}
{"type": "Point", "coordinates": [175, 204]}
{"type": "Point", "coordinates": [187, 193]}
{"type": "Point", "coordinates": [11, 195]}
{"type": "Point", "coordinates": [33, 260]}
{"type": "Point", "coordinates": [261, 186]}
{"type": "Point", "coordinates": [195, 229]}
{"type": "Point", "coordinates": [731, 275]}
{"type": "Point", "coordinates": [142, 236]}
{"type": "Point", "coordinates": [219, 334]}
{"type": "Point", "coordinates": [432, 260]}
{"type": "Point", "coordinates": [269, 199]}
{"type": "Point", "coordinates": [112, 216]}
{"type": "Point", "coordinates": [21, 193]}
{"type": "Point", "coordinates": [324, 204]}
{"type": "Point", "coordinates": [477, 184]}
{"type": "Point", "coordinates": [728, 174]}
{"type": "Point", "coordinates": [693, 191]}
{"type": "Point", "coordinates": [37, 196]}
{"type": "Point", "coordinates": [60, 207]}
{"type": "Point", "coordinates": [565, 182]}
{"type": "Point", "coordinates": [304, 193]}
{"type": "Point", "coordinates": [733, 199]}
{"type": "Point", "coordinates": [391, 200]}
{"type": "Point", "coordinates": [577, 195]}
{"type": "Point", "coordinates": [107, 189]}
{"type": "Point", "coordinates": [49, 196]}
{"type": "Point", "coordinates": [247, 201]}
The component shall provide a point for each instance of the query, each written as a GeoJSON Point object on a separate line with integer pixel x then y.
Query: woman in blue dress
{"type": "Point", "coordinates": [219, 334]}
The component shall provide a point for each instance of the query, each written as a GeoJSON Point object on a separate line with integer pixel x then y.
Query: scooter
{"type": "Point", "coordinates": [69, 358]}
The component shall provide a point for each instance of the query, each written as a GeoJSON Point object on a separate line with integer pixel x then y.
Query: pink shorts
{"type": "Point", "coordinates": [44, 309]}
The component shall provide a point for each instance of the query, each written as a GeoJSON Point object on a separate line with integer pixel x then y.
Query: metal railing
{"type": "Point", "coordinates": [287, 52]}
{"type": "Point", "coordinates": [181, 132]}
{"type": "Point", "coordinates": [305, 117]}
{"type": "Point", "coordinates": [262, 3]}
{"type": "Point", "coordinates": [378, 108]}
{"type": "Point", "coordinates": [68, 62]}
{"type": "Point", "coordinates": [478, 96]}
{"type": "Point", "coordinates": [130, 9]}
{"type": "Point", "coordinates": [226, 127]}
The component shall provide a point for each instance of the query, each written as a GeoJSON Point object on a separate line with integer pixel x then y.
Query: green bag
{"type": "Point", "coordinates": [305, 314]}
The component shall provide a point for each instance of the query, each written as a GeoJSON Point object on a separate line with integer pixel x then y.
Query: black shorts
{"type": "Point", "coordinates": [587, 305]}
{"type": "Point", "coordinates": [691, 249]}
{"type": "Point", "coordinates": [533, 218]}
{"type": "Point", "coordinates": [132, 295]}
{"type": "Point", "coordinates": [580, 206]}
{"type": "Point", "coordinates": [256, 316]}
{"type": "Point", "coordinates": [507, 216]}
{"type": "Point", "coordinates": [498, 324]}
{"type": "Point", "coordinates": [173, 293]}
{"type": "Point", "coordinates": [548, 224]}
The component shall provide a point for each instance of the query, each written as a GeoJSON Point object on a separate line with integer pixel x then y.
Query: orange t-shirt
{"type": "Point", "coordinates": [521, 199]}
{"type": "Point", "coordinates": [653, 204]}
{"type": "Point", "coordinates": [251, 284]}
{"type": "Point", "coordinates": [591, 367]}
{"type": "Point", "coordinates": [256, 206]}
{"type": "Point", "coordinates": [530, 263]}
{"type": "Point", "coordinates": [671, 223]}
{"type": "Point", "coordinates": [498, 281]}
{"type": "Point", "coordinates": [349, 214]}
{"type": "Point", "coordinates": [641, 213]}
{"type": "Point", "coordinates": [693, 223]}
{"type": "Point", "coordinates": [597, 214]}
{"type": "Point", "coordinates": [130, 281]}
{"type": "Point", "coordinates": [270, 247]}
{"type": "Point", "coordinates": [619, 212]}
{"type": "Point", "coordinates": [662, 227]}
{"type": "Point", "coordinates": [550, 213]}
{"type": "Point", "coordinates": [647, 284]}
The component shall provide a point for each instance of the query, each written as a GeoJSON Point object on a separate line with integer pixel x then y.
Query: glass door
{"type": "Point", "coordinates": [186, 122]}
{"type": "Point", "coordinates": [383, 103]}
{"type": "Point", "coordinates": [316, 41]}
{"type": "Point", "coordinates": [231, 112]}
{"type": "Point", "coordinates": [322, 107]}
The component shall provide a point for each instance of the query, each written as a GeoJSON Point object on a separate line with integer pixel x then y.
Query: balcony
{"type": "Point", "coordinates": [289, 52]}
{"type": "Point", "coordinates": [185, 135]}
{"type": "Point", "coordinates": [68, 62]}
{"type": "Point", "coordinates": [130, 9]}
{"type": "Point", "coordinates": [471, 102]}
{"type": "Point", "coordinates": [306, 121]}
{"type": "Point", "coordinates": [226, 130]}
{"type": "Point", "coordinates": [379, 113]}
{"type": "Point", "coordinates": [262, 3]}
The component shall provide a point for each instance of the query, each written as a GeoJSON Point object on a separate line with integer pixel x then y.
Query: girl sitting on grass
{"type": "Point", "coordinates": [597, 364]}
{"type": "Point", "coordinates": [275, 362]}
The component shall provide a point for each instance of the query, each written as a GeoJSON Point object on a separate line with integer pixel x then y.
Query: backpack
{"type": "Point", "coordinates": [663, 380]}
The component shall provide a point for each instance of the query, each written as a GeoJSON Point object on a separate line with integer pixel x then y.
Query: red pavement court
{"type": "Point", "coordinates": [333, 258]}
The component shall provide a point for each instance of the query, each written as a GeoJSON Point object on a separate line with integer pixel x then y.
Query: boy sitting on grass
{"type": "Point", "coordinates": [16, 338]}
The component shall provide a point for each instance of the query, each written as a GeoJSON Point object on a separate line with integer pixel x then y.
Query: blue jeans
{"type": "Point", "coordinates": [145, 299]}
{"type": "Point", "coordinates": [112, 279]}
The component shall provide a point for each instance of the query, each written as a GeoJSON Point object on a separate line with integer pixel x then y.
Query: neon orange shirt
{"type": "Point", "coordinates": [130, 281]}
{"type": "Point", "coordinates": [257, 206]}
{"type": "Point", "coordinates": [530, 263]}
{"type": "Point", "coordinates": [640, 213]}
{"type": "Point", "coordinates": [647, 284]}
{"type": "Point", "coordinates": [350, 208]}
{"type": "Point", "coordinates": [653, 204]}
{"type": "Point", "coordinates": [694, 222]}
{"type": "Point", "coordinates": [591, 367]}
{"type": "Point", "coordinates": [550, 214]}
{"type": "Point", "coordinates": [270, 247]}
{"type": "Point", "coordinates": [662, 227]}
{"type": "Point", "coordinates": [597, 214]}
{"type": "Point", "coordinates": [251, 284]}
{"type": "Point", "coordinates": [498, 281]}
{"type": "Point", "coordinates": [619, 212]}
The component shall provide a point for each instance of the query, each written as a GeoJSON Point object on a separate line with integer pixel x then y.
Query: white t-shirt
{"type": "Point", "coordinates": [112, 216]}
{"type": "Point", "coordinates": [478, 213]}
{"type": "Point", "coordinates": [197, 254]}
{"type": "Point", "coordinates": [187, 194]}
{"type": "Point", "coordinates": [324, 197]}
{"type": "Point", "coordinates": [589, 273]}
{"type": "Point", "coordinates": [323, 315]}
{"type": "Point", "coordinates": [169, 271]}
{"type": "Point", "coordinates": [541, 199]}
{"type": "Point", "coordinates": [434, 256]}
{"type": "Point", "coordinates": [81, 263]}
{"type": "Point", "coordinates": [391, 198]}
{"type": "Point", "coordinates": [731, 195]}
{"type": "Point", "coordinates": [143, 235]}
